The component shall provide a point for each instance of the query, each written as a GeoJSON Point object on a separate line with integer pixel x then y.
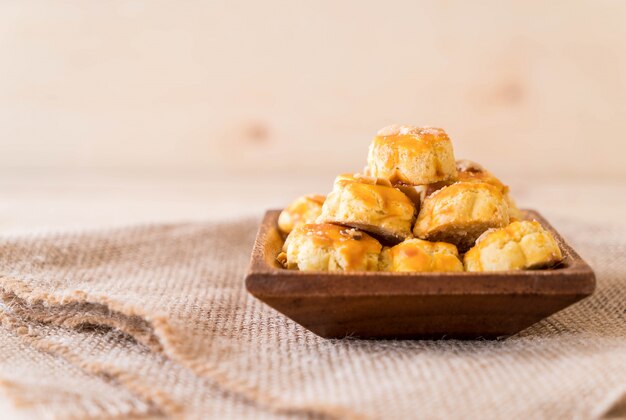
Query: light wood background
{"type": "Point", "coordinates": [291, 86]}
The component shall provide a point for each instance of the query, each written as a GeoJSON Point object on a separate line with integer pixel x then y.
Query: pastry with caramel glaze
{"type": "Point", "coordinates": [328, 247]}
{"type": "Point", "coordinates": [417, 255]}
{"type": "Point", "coordinates": [414, 192]}
{"type": "Point", "coordinates": [460, 213]}
{"type": "Point", "coordinates": [519, 246]}
{"type": "Point", "coordinates": [305, 209]}
{"type": "Point", "coordinates": [468, 171]}
{"type": "Point", "coordinates": [410, 155]}
{"type": "Point", "coordinates": [370, 204]}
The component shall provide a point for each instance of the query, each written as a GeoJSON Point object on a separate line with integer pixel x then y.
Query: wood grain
{"type": "Point", "coordinates": [415, 305]}
{"type": "Point", "coordinates": [303, 86]}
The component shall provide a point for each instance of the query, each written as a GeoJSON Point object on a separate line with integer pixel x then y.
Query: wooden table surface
{"type": "Point", "coordinates": [35, 201]}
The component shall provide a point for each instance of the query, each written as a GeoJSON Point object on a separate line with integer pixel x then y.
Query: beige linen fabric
{"type": "Point", "coordinates": [36, 378]}
{"type": "Point", "coordinates": [155, 321]}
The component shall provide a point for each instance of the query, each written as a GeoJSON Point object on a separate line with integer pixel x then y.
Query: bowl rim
{"type": "Point", "coordinates": [265, 278]}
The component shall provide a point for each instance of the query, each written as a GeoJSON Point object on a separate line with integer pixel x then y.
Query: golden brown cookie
{"type": "Point", "coordinates": [419, 255]}
{"type": "Point", "coordinates": [469, 171]}
{"type": "Point", "coordinates": [412, 155]}
{"type": "Point", "coordinates": [328, 247]}
{"type": "Point", "coordinates": [369, 204]}
{"type": "Point", "coordinates": [305, 209]}
{"type": "Point", "coordinates": [520, 245]}
{"type": "Point", "coordinates": [460, 213]}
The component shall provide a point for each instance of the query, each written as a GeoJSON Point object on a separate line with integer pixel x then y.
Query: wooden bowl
{"type": "Point", "coordinates": [414, 305]}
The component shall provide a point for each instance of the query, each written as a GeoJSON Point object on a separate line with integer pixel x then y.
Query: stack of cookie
{"type": "Point", "coordinates": [415, 208]}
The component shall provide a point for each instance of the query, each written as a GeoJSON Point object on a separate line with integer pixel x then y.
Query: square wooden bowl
{"type": "Point", "coordinates": [414, 305]}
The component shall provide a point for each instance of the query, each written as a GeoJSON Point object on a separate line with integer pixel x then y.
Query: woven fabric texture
{"type": "Point", "coordinates": [155, 321]}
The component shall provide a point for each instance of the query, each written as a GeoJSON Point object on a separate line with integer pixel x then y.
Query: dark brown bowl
{"type": "Point", "coordinates": [414, 305]}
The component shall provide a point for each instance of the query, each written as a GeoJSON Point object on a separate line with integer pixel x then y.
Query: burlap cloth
{"type": "Point", "coordinates": [155, 321]}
